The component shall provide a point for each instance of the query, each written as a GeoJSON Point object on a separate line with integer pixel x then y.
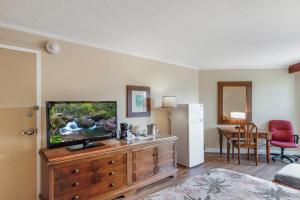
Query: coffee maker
{"type": "Point", "coordinates": [124, 127]}
{"type": "Point", "coordinates": [151, 129]}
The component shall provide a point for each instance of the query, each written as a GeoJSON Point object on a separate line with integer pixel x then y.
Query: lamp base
{"type": "Point", "coordinates": [169, 120]}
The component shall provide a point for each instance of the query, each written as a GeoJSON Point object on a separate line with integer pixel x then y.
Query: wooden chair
{"type": "Point", "coordinates": [247, 138]}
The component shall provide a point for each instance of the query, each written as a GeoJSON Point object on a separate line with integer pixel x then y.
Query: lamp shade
{"type": "Point", "coordinates": [238, 115]}
{"type": "Point", "coordinates": [169, 102]}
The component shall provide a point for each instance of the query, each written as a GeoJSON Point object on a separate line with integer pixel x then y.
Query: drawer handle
{"type": "Point", "coordinates": [112, 162]}
{"type": "Point", "coordinates": [96, 179]}
{"type": "Point", "coordinates": [112, 173]}
{"type": "Point", "coordinates": [76, 184]}
{"type": "Point", "coordinates": [75, 197]}
{"type": "Point", "coordinates": [76, 171]}
{"type": "Point", "coordinates": [112, 185]}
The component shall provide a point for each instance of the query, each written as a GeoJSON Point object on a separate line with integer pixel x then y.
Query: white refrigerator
{"type": "Point", "coordinates": [187, 125]}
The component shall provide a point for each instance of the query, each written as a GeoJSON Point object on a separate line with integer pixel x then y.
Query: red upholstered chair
{"type": "Point", "coordinates": [283, 137]}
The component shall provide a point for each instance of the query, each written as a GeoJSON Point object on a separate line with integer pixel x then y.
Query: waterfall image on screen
{"type": "Point", "coordinates": [69, 122]}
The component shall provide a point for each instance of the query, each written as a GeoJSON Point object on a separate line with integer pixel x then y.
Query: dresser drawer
{"type": "Point", "coordinates": [72, 171]}
{"type": "Point", "coordinates": [110, 174]}
{"type": "Point", "coordinates": [76, 195]}
{"type": "Point", "coordinates": [110, 184]}
{"type": "Point", "coordinates": [73, 184]}
{"type": "Point", "coordinates": [109, 162]}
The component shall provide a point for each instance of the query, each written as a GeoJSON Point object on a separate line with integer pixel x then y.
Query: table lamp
{"type": "Point", "coordinates": [239, 116]}
{"type": "Point", "coordinates": [169, 102]}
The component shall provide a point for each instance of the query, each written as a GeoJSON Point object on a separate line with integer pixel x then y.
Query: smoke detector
{"type": "Point", "coordinates": [52, 47]}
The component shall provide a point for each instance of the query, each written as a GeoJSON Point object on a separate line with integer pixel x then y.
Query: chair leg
{"type": "Point", "coordinates": [232, 150]}
{"type": "Point", "coordinates": [239, 155]}
{"type": "Point", "coordinates": [295, 157]}
{"type": "Point", "coordinates": [284, 156]}
{"type": "Point", "coordinates": [275, 156]}
{"type": "Point", "coordinates": [288, 158]}
{"type": "Point", "coordinates": [248, 154]}
{"type": "Point", "coordinates": [281, 156]}
{"type": "Point", "coordinates": [256, 156]}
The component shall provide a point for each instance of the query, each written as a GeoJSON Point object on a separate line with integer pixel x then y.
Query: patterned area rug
{"type": "Point", "coordinates": [221, 184]}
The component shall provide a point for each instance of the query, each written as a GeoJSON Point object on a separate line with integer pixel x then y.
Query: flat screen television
{"type": "Point", "coordinates": [80, 122]}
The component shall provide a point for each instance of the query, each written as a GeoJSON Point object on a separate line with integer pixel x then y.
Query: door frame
{"type": "Point", "coordinates": [38, 88]}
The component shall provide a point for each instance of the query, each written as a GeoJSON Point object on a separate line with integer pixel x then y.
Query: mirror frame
{"type": "Point", "coordinates": [221, 85]}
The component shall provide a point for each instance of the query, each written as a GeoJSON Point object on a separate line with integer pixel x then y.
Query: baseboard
{"type": "Point", "coordinates": [260, 151]}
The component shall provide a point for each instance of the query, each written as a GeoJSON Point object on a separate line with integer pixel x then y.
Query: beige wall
{"type": "Point", "coordinates": [84, 73]}
{"type": "Point", "coordinates": [297, 91]}
{"type": "Point", "coordinates": [274, 97]}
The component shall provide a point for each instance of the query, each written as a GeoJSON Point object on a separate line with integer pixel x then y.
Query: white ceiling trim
{"type": "Point", "coordinates": [85, 43]}
{"type": "Point", "coordinates": [244, 67]}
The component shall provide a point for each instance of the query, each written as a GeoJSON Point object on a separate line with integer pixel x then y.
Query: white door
{"type": "Point", "coordinates": [196, 143]}
{"type": "Point", "coordinates": [17, 151]}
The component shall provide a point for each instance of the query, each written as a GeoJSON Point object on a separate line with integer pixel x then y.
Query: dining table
{"type": "Point", "coordinates": [232, 133]}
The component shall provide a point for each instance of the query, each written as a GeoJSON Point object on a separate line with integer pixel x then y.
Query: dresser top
{"type": "Point", "coordinates": [62, 154]}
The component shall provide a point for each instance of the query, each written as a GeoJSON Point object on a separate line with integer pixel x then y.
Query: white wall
{"type": "Point", "coordinates": [274, 97]}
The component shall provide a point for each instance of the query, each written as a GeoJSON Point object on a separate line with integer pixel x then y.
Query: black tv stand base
{"type": "Point", "coordinates": [84, 146]}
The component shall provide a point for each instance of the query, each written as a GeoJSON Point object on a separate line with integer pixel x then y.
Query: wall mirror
{"type": "Point", "coordinates": [234, 101]}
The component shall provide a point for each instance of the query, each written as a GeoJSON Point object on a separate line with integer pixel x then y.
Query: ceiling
{"type": "Point", "coordinates": [204, 34]}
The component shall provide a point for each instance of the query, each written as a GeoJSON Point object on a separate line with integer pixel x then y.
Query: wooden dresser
{"type": "Point", "coordinates": [106, 172]}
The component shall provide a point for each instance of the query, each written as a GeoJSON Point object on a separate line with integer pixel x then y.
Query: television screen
{"type": "Point", "coordinates": [71, 123]}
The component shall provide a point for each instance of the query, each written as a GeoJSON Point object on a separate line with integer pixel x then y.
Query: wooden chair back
{"type": "Point", "coordinates": [248, 134]}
